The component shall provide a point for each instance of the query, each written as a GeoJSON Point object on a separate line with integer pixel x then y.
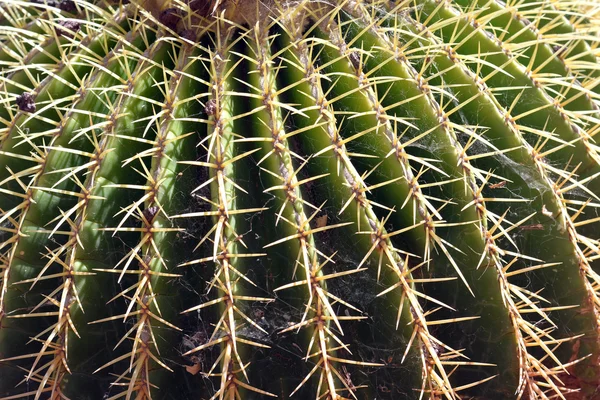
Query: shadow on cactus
{"type": "Point", "coordinates": [342, 199]}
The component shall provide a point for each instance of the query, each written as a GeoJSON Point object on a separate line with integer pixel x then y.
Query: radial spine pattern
{"type": "Point", "coordinates": [243, 199]}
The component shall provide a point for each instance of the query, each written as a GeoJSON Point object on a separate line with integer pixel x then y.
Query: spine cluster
{"type": "Point", "coordinates": [326, 199]}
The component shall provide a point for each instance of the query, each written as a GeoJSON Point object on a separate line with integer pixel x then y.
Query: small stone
{"type": "Point", "coordinates": [26, 102]}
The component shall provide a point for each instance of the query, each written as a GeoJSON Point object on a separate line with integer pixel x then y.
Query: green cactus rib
{"type": "Point", "coordinates": [490, 290]}
{"type": "Point", "coordinates": [567, 224]}
{"type": "Point", "coordinates": [582, 156]}
{"type": "Point", "coordinates": [357, 204]}
{"type": "Point", "coordinates": [227, 251]}
{"type": "Point", "coordinates": [104, 185]}
{"type": "Point", "coordinates": [151, 298]}
{"type": "Point", "coordinates": [555, 204]}
{"type": "Point", "coordinates": [324, 139]}
{"type": "Point", "coordinates": [534, 48]}
{"type": "Point", "coordinates": [60, 86]}
{"type": "Point", "coordinates": [317, 317]}
{"type": "Point", "coordinates": [53, 194]}
{"type": "Point", "coordinates": [68, 129]}
{"type": "Point", "coordinates": [562, 22]}
{"type": "Point", "coordinates": [244, 199]}
{"type": "Point", "coordinates": [475, 102]}
{"type": "Point", "coordinates": [535, 110]}
{"type": "Point", "coordinates": [435, 239]}
{"type": "Point", "coordinates": [136, 106]}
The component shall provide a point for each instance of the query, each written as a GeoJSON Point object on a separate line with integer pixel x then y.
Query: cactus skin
{"type": "Point", "coordinates": [346, 199]}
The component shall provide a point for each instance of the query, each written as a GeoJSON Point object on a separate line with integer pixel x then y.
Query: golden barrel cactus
{"type": "Point", "coordinates": [329, 199]}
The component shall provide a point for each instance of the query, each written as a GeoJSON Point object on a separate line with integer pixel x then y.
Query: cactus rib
{"type": "Point", "coordinates": [49, 184]}
{"type": "Point", "coordinates": [226, 213]}
{"type": "Point", "coordinates": [387, 199]}
{"type": "Point", "coordinates": [318, 315]}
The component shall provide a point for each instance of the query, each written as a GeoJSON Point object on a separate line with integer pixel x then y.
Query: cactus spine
{"type": "Point", "coordinates": [235, 199]}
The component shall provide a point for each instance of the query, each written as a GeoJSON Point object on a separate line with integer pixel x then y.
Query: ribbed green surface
{"type": "Point", "coordinates": [391, 200]}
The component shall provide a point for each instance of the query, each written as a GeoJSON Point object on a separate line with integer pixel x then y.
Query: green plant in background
{"type": "Point", "coordinates": [243, 199]}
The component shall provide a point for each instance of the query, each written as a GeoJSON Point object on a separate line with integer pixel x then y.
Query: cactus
{"type": "Point", "coordinates": [243, 199]}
